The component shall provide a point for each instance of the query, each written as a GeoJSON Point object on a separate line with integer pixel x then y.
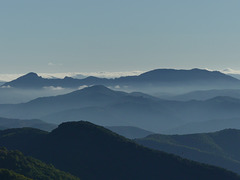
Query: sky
{"type": "Point", "coordinates": [59, 36]}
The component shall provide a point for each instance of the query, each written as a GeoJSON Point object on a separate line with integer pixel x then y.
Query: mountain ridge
{"type": "Point", "coordinates": [157, 77]}
{"type": "Point", "coordinates": [82, 148]}
{"type": "Point", "coordinates": [107, 107]}
{"type": "Point", "coordinates": [218, 148]}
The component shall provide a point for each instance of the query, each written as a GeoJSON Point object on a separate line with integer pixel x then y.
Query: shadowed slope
{"type": "Point", "coordinates": [82, 148]}
{"type": "Point", "coordinates": [220, 148]}
{"type": "Point", "coordinates": [29, 167]}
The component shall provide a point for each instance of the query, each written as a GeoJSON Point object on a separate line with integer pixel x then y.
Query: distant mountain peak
{"type": "Point", "coordinates": [98, 90]}
{"type": "Point", "coordinates": [79, 128]}
{"type": "Point", "coordinates": [31, 74]}
{"type": "Point", "coordinates": [28, 80]}
{"type": "Point", "coordinates": [67, 77]}
{"type": "Point", "coordinates": [98, 87]}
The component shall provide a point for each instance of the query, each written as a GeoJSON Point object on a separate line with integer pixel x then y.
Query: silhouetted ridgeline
{"type": "Point", "coordinates": [158, 77]}
{"type": "Point", "coordinates": [220, 148]}
{"type": "Point", "coordinates": [93, 152]}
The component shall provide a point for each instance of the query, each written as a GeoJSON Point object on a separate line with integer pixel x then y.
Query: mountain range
{"type": "Point", "coordinates": [15, 95]}
{"type": "Point", "coordinates": [107, 107]}
{"type": "Point", "coordinates": [163, 83]}
{"type": "Point", "coordinates": [93, 152]}
{"type": "Point", "coordinates": [220, 148]}
{"type": "Point", "coordinates": [148, 81]}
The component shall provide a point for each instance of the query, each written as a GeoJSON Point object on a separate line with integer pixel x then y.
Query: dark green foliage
{"type": "Point", "coordinates": [93, 152]}
{"type": "Point", "coordinates": [220, 148]}
{"type": "Point", "coordinates": [6, 174]}
{"type": "Point", "coordinates": [29, 167]}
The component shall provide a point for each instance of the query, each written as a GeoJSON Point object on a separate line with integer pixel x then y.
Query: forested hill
{"type": "Point", "coordinates": [93, 152]}
{"type": "Point", "coordinates": [14, 165]}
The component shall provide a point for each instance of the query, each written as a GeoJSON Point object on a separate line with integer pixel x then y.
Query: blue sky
{"type": "Point", "coordinates": [112, 35]}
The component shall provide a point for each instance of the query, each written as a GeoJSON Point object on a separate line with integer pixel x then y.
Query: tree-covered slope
{"type": "Point", "coordinates": [12, 162]}
{"type": "Point", "coordinates": [93, 152]}
{"type": "Point", "coordinates": [220, 148]}
{"type": "Point", "coordinates": [6, 174]}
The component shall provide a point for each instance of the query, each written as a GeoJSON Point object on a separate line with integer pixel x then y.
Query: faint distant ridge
{"type": "Point", "coordinates": [6, 123]}
{"type": "Point", "coordinates": [158, 77]}
{"type": "Point", "coordinates": [130, 132]}
{"type": "Point", "coordinates": [108, 107]}
{"type": "Point", "coordinates": [99, 89]}
{"type": "Point", "coordinates": [30, 79]}
{"type": "Point", "coordinates": [168, 75]}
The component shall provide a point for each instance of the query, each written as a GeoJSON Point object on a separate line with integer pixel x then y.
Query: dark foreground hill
{"type": "Point", "coordinates": [14, 165]}
{"type": "Point", "coordinates": [6, 174]}
{"type": "Point", "coordinates": [93, 152]}
{"type": "Point", "coordinates": [220, 148]}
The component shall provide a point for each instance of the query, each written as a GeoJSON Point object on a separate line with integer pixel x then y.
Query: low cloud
{"type": "Point", "coordinates": [6, 87]}
{"type": "Point", "coordinates": [54, 64]}
{"type": "Point", "coordinates": [50, 64]}
{"type": "Point", "coordinates": [78, 75]}
{"type": "Point", "coordinates": [9, 77]}
{"type": "Point", "coordinates": [117, 87]}
{"type": "Point", "coordinates": [54, 88]}
{"type": "Point", "coordinates": [230, 71]}
{"type": "Point", "coordinates": [82, 87]}
{"type": "Point", "coordinates": [113, 74]}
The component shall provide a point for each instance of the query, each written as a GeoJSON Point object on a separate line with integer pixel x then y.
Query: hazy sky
{"type": "Point", "coordinates": [118, 35]}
